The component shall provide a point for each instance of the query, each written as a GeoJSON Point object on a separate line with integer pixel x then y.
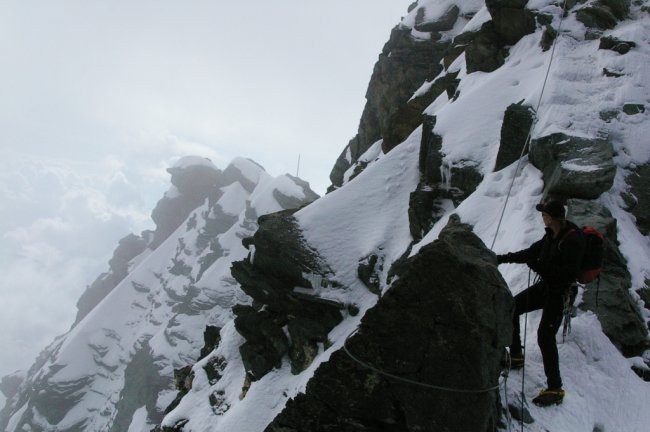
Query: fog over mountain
{"type": "Point", "coordinates": [99, 99]}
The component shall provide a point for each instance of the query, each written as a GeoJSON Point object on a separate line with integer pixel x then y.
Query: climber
{"type": "Point", "coordinates": [556, 258]}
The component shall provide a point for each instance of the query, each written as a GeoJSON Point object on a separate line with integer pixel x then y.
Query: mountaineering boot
{"type": "Point", "coordinates": [517, 361]}
{"type": "Point", "coordinates": [549, 397]}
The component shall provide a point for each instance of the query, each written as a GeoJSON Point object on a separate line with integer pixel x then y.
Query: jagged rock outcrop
{"type": "Point", "coordinates": [611, 300]}
{"type": "Point", "coordinates": [193, 180]}
{"type": "Point", "coordinates": [463, 327]}
{"type": "Point", "coordinates": [283, 276]}
{"type": "Point", "coordinates": [514, 131]}
{"type": "Point", "coordinates": [128, 248]}
{"type": "Point", "coordinates": [403, 66]}
{"type": "Point", "coordinates": [574, 167]}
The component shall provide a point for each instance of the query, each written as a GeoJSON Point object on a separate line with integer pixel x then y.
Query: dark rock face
{"type": "Point", "coordinates": [511, 19]}
{"type": "Point", "coordinates": [435, 314]}
{"type": "Point", "coordinates": [638, 199]}
{"type": "Point", "coordinates": [281, 261]}
{"type": "Point", "coordinates": [409, 116]}
{"type": "Point", "coordinates": [574, 167]}
{"type": "Point", "coordinates": [403, 66]}
{"type": "Point", "coordinates": [486, 52]}
{"type": "Point", "coordinates": [613, 305]}
{"type": "Point", "coordinates": [128, 248]}
{"type": "Point", "coordinates": [514, 131]}
{"type": "Point", "coordinates": [617, 45]}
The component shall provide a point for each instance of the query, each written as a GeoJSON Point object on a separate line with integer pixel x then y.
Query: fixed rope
{"type": "Point", "coordinates": [532, 125]}
{"type": "Point", "coordinates": [410, 381]}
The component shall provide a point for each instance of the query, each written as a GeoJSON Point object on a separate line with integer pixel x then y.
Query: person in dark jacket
{"type": "Point", "coordinates": [556, 258]}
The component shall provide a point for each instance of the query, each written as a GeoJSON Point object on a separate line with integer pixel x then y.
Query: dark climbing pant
{"type": "Point", "coordinates": [551, 302]}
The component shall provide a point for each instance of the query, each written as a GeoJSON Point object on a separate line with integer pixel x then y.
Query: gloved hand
{"type": "Point", "coordinates": [503, 258]}
{"type": "Point", "coordinates": [534, 265]}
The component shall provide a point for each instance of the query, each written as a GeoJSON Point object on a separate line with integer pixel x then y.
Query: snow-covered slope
{"type": "Point", "coordinates": [598, 98]}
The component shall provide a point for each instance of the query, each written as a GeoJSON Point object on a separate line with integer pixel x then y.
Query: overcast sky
{"type": "Point", "coordinates": [98, 97]}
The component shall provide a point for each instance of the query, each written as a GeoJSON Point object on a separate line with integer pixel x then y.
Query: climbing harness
{"type": "Point", "coordinates": [532, 125]}
{"type": "Point", "coordinates": [410, 381]}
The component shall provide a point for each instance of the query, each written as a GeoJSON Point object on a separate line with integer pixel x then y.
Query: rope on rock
{"type": "Point", "coordinates": [532, 125]}
{"type": "Point", "coordinates": [410, 381]}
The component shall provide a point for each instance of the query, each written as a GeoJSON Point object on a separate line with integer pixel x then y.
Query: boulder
{"type": "Point", "coordinates": [517, 121]}
{"type": "Point", "coordinates": [610, 299]}
{"type": "Point", "coordinates": [449, 307]}
{"type": "Point", "coordinates": [615, 44]}
{"type": "Point", "coordinates": [574, 167]}
{"type": "Point", "coordinates": [486, 51]}
{"type": "Point", "coordinates": [511, 19]}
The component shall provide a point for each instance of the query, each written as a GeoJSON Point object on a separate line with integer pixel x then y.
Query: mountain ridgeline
{"type": "Point", "coordinates": [256, 305]}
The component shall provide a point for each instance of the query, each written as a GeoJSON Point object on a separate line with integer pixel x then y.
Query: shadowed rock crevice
{"type": "Point", "coordinates": [444, 322]}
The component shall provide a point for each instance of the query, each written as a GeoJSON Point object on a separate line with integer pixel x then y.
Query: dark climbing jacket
{"type": "Point", "coordinates": [557, 260]}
